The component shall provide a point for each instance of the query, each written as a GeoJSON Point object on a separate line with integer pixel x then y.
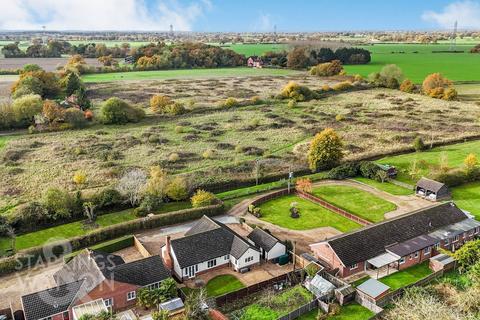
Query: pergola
{"type": "Point", "coordinates": [383, 260]}
{"type": "Point", "coordinates": [91, 308]}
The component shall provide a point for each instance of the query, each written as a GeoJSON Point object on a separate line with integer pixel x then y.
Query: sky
{"type": "Point", "coordinates": [239, 16]}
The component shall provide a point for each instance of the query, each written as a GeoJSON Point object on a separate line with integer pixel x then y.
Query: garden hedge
{"type": "Point", "coordinates": [43, 254]}
{"type": "Point", "coordinates": [108, 247]}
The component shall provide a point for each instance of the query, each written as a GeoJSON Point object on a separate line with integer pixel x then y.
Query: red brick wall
{"type": "Point", "coordinates": [345, 271]}
{"type": "Point", "coordinates": [111, 289]}
{"type": "Point", "coordinates": [324, 252]}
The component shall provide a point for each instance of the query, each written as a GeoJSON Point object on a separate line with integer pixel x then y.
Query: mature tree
{"type": "Point", "coordinates": [177, 189]}
{"type": "Point", "coordinates": [52, 111]}
{"type": "Point", "coordinates": [327, 69]}
{"type": "Point", "coordinates": [203, 198]}
{"type": "Point", "coordinates": [325, 151]}
{"type": "Point", "coordinates": [108, 61]}
{"type": "Point", "coordinates": [297, 58]}
{"type": "Point", "coordinates": [157, 182]}
{"type": "Point", "coordinates": [195, 305]}
{"type": "Point", "coordinates": [467, 255]}
{"type": "Point", "coordinates": [418, 144]}
{"type": "Point", "coordinates": [26, 107]}
{"type": "Point", "coordinates": [132, 185]}
{"type": "Point", "coordinates": [72, 83]}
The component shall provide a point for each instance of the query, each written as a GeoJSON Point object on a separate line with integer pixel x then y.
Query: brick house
{"type": "Point", "coordinates": [208, 245]}
{"type": "Point", "coordinates": [94, 281]}
{"type": "Point", "coordinates": [400, 242]}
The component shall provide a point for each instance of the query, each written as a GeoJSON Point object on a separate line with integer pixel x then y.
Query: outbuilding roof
{"type": "Point", "coordinates": [412, 245]}
{"type": "Point", "coordinates": [429, 184]}
{"type": "Point", "coordinates": [371, 241]}
{"type": "Point", "coordinates": [263, 239]}
{"type": "Point", "coordinates": [373, 288]}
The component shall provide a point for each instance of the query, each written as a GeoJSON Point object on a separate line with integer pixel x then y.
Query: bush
{"type": "Point", "coordinates": [208, 154]}
{"type": "Point", "coordinates": [450, 94]}
{"type": "Point", "coordinates": [451, 178]}
{"type": "Point", "coordinates": [256, 100]}
{"type": "Point", "coordinates": [344, 171]}
{"type": "Point", "coordinates": [327, 69]}
{"type": "Point", "coordinates": [58, 203]}
{"type": "Point", "coordinates": [107, 199]}
{"type": "Point", "coordinates": [80, 177]}
{"type": "Point", "coordinates": [437, 86]}
{"type": "Point", "coordinates": [296, 92]}
{"type": "Point", "coordinates": [325, 151]}
{"type": "Point", "coordinates": [29, 215]}
{"type": "Point", "coordinates": [342, 86]}
{"type": "Point", "coordinates": [292, 103]}
{"type": "Point", "coordinates": [75, 117]}
{"type": "Point", "coordinates": [177, 189]}
{"type": "Point", "coordinates": [175, 108]}
{"type": "Point", "coordinates": [369, 169]}
{"type": "Point", "coordinates": [389, 77]}
{"type": "Point", "coordinates": [203, 198]}
{"type": "Point", "coordinates": [407, 86]}
{"type": "Point", "coordinates": [149, 204]}
{"type": "Point", "coordinates": [230, 103]}
{"type": "Point", "coordinates": [26, 107]}
{"type": "Point", "coordinates": [418, 144]}
{"type": "Point", "coordinates": [117, 111]}
{"type": "Point", "coordinates": [158, 103]}
{"type": "Point", "coordinates": [7, 116]}
{"type": "Point", "coordinates": [173, 157]}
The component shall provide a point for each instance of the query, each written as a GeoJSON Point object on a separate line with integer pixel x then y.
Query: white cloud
{"type": "Point", "coordinates": [467, 13]}
{"type": "Point", "coordinates": [264, 22]}
{"type": "Point", "coordinates": [100, 14]}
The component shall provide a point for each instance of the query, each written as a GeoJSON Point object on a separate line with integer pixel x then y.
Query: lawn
{"type": "Point", "coordinates": [408, 276]}
{"type": "Point", "coordinates": [355, 201]}
{"type": "Point", "coordinates": [416, 66]}
{"type": "Point", "coordinates": [385, 186]}
{"type": "Point", "coordinates": [255, 49]}
{"type": "Point", "coordinates": [352, 311]}
{"type": "Point", "coordinates": [223, 284]}
{"type": "Point", "coordinates": [429, 160]}
{"type": "Point", "coordinates": [277, 211]}
{"type": "Point", "coordinates": [467, 197]}
{"type": "Point", "coordinates": [186, 73]}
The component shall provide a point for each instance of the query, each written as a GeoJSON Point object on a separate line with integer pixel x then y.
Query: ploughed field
{"type": "Point", "coordinates": [48, 64]}
{"type": "Point", "coordinates": [375, 122]}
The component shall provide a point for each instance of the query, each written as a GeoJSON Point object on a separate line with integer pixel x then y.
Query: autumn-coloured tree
{"type": "Point", "coordinates": [407, 86]}
{"type": "Point", "coordinates": [327, 69]}
{"type": "Point", "coordinates": [437, 86]}
{"type": "Point", "coordinates": [325, 151]}
{"type": "Point", "coordinates": [108, 61]}
{"type": "Point", "coordinates": [202, 198]}
{"type": "Point", "coordinates": [304, 185]}
{"type": "Point", "coordinates": [470, 162]}
{"type": "Point", "coordinates": [297, 58]}
{"type": "Point", "coordinates": [159, 103]}
{"type": "Point", "coordinates": [157, 182]}
{"type": "Point", "coordinates": [52, 111]}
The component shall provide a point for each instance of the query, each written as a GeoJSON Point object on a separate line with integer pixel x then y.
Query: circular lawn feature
{"type": "Point", "coordinates": [312, 215]}
{"type": "Point", "coordinates": [223, 284]}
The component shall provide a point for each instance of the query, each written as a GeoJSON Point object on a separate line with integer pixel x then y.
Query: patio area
{"type": "Point", "coordinates": [257, 274]}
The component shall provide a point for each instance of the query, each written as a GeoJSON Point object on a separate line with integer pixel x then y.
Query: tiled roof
{"type": "Point", "coordinates": [49, 302]}
{"type": "Point", "coordinates": [412, 245]}
{"type": "Point", "coordinates": [208, 239]}
{"type": "Point", "coordinates": [430, 184]}
{"type": "Point", "coordinates": [263, 239]}
{"type": "Point", "coordinates": [141, 272]}
{"type": "Point", "coordinates": [371, 241]}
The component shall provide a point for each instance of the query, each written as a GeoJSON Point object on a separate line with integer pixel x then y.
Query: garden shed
{"type": "Point", "coordinates": [432, 190]}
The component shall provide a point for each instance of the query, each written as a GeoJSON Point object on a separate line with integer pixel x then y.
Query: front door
{"type": "Point", "coordinates": [191, 271]}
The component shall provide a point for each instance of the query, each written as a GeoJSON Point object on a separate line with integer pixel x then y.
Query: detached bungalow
{"type": "Point", "coordinates": [270, 247]}
{"type": "Point", "coordinates": [92, 282]}
{"type": "Point", "coordinates": [398, 243]}
{"type": "Point", "coordinates": [207, 245]}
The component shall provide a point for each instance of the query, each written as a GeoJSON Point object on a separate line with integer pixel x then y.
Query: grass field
{"type": "Point", "coordinates": [405, 277]}
{"type": "Point", "coordinates": [185, 73]}
{"type": "Point", "coordinates": [223, 284]}
{"type": "Point", "coordinates": [429, 160]}
{"type": "Point", "coordinates": [352, 311]}
{"type": "Point", "coordinates": [277, 211]}
{"type": "Point", "coordinates": [355, 201]}
{"type": "Point", "coordinates": [386, 186]}
{"type": "Point", "coordinates": [416, 66]}
{"type": "Point", "coordinates": [255, 49]}
{"type": "Point", "coordinates": [467, 197]}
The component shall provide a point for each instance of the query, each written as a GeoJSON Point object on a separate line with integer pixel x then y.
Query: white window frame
{"type": "Point", "coordinates": [477, 230]}
{"type": "Point", "coordinates": [426, 251]}
{"type": "Point", "coordinates": [132, 295]}
{"type": "Point", "coordinates": [402, 260]}
{"type": "Point", "coordinates": [154, 285]}
{"type": "Point", "coordinates": [457, 237]}
{"type": "Point", "coordinates": [248, 259]}
{"type": "Point", "coordinates": [436, 246]}
{"type": "Point", "coordinates": [416, 255]}
{"type": "Point", "coordinates": [353, 266]}
{"type": "Point", "coordinates": [226, 257]}
{"type": "Point", "coordinates": [211, 263]}
{"type": "Point", "coordinates": [108, 302]}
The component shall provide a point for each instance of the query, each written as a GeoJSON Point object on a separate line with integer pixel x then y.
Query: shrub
{"type": "Point", "coordinates": [177, 189]}
{"type": "Point", "coordinates": [58, 203]}
{"type": "Point", "coordinates": [304, 184]}
{"type": "Point", "coordinates": [256, 100]}
{"type": "Point", "coordinates": [149, 204]}
{"type": "Point", "coordinates": [450, 94]}
{"type": "Point", "coordinates": [389, 77]}
{"type": "Point", "coordinates": [436, 86]}
{"type": "Point", "coordinates": [80, 177]}
{"type": "Point", "coordinates": [418, 144]}
{"type": "Point", "coordinates": [158, 103]}
{"type": "Point", "coordinates": [29, 215]}
{"type": "Point", "coordinates": [296, 92]}
{"type": "Point", "coordinates": [203, 198]}
{"type": "Point", "coordinates": [107, 198]}
{"type": "Point", "coordinates": [117, 111]}
{"type": "Point", "coordinates": [451, 178]}
{"type": "Point", "coordinates": [339, 117]}
{"type": "Point", "coordinates": [327, 69]}
{"type": "Point", "coordinates": [407, 86]}
{"type": "Point", "coordinates": [26, 107]}
{"type": "Point", "coordinates": [297, 58]}
{"type": "Point", "coordinates": [208, 154]}
{"type": "Point", "coordinates": [175, 108]}
{"type": "Point", "coordinates": [325, 151]}
{"type": "Point", "coordinates": [326, 88]}
{"type": "Point", "coordinates": [342, 86]}
{"type": "Point", "coordinates": [179, 129]}
{"type": "Point", "coordinates": [52, 111]}
{"type": "Point", "coordinates": [369, 169]}
{"type": "Point", "coordinates": [230, 102]}
{"type": "Point", "coordinates": [344, 171]}
{"type": "Point", "coordinates": [292, 103]}
{"type": "Point", "coordinates": [173, 157]}
{"type": "Point", "coordinates": [7, 116]}
{"type": "Point", "coordinates": [75, 117]}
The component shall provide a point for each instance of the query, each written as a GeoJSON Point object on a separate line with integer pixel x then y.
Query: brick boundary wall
{"type": "Point", "coordinates": [333, 208]}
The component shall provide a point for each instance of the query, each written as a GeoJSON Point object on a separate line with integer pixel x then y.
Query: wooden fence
{"type": "Point", "coordinates": [333, 208]}
{"type": "Point", "coordinates": [271, 195]}
{"type": "Point", "coordinates": [301, 311]}
{"type": "Point", "coordinates": [293, 278]}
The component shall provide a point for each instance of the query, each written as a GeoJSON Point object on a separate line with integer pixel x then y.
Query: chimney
{"type": "Point", "coordinates": [167, 258]}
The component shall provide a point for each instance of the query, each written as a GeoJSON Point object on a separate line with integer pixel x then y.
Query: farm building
{"type": "Point", "coordinates": [398, 243]}
{"type": "Point", "coordinates": [391, 171]}
{"type": "Point", "coordinates": [209, 244]}
{"type": "Point", "coordinates": [432, 190]}
{"type": "Point", "coordinates": [93, 282]}
{"type": "Point", "coordinates": [270, 247]}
